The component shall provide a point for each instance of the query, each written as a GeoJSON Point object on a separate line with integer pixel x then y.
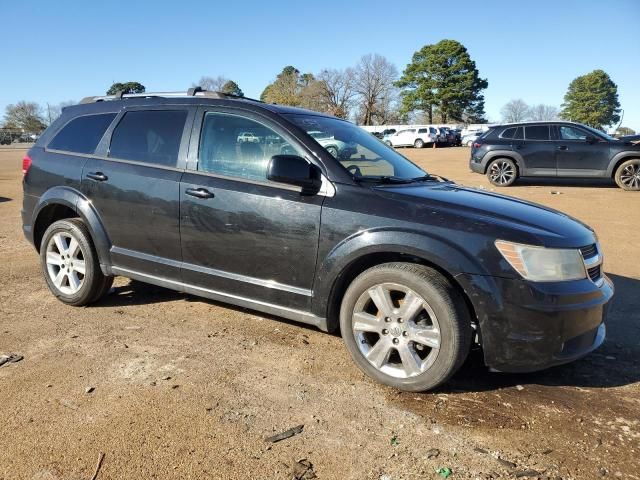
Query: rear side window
{"type": "Point", "coordinates": [150, 136]}
{"type": "Point", "coordinates": [508, 133]}
{"type": "Point", "coordinates": [82, 134]}
{"type": "Point", "coordinates": [537, 132]}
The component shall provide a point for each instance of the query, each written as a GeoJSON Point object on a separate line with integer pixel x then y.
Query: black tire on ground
{"type": "Point", "coordinates": [627, 175]}
{"type": "Point", "coordinates": [93, 283]}
{"type": "Point", "coordinates": [104, 289]}
{"type": "Point", "coordinates": [418, 143]}
{"type": "Point", "coordinates": [444, 300]}
{"type": "Point", "coordinates": [502, 172]}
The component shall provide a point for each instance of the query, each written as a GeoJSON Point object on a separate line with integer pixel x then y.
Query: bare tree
{"type": "Point", "coordinates": [374, 84]}
{"type": "Point", "coordinates": [515, 111]}
{"type": "Point", "coordinates": [53, 111]}
{"type": "Point", "coordinates": [337, 91]}
{"type": "Point", "coordinates": [543, 112]}
{"type": "Point", "coordinates": [213, 84]}
{"type": "Point", "coordinates": [25, 116]}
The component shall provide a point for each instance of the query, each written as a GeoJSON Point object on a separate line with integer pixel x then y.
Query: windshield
{"type": "Point", "coordinates": [359, 152]}
{"type": "Point", "coordinates": [599, 133]}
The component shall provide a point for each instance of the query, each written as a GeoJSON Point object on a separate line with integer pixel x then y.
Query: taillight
{"type": "Point", "coordinates": [477, 145]}
{"type": "Point", "coordinates": [26, 164]}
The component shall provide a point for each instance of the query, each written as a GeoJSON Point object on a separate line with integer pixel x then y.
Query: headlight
{"type": "Point", "coordinates": [540, 264]}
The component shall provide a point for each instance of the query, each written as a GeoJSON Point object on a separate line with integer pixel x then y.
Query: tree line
{"type": "Point", "coordinates": [441, 84]}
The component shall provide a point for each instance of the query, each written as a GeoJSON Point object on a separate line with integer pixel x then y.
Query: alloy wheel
{"type": "Point", "coordinates": [396, 330]}
{"type": "Point", "coordinates": [502, 172]}
{"type": "Point", "coordinates": [630, 176]}
{"type": "Point", "coordinates": [65, 263]}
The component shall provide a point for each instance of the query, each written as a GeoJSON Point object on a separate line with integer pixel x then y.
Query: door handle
{"type": "Point", "coordinates": [199, 193]}
{"type": "Point", "coordinates": [563, 147]}
{"type": "Point", "coordinates": [97, 176]}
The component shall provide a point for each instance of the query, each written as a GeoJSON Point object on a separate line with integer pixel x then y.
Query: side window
{"type": "Point", "coordinates": [150, 136]}
{"type": "Point", "coordinates": [537, 132]}
{"type": "Point", "coordinates": [235, 146]}
{"type": "Point", "coordinates": [82, 134]}
{"type": "Point", "coordinates": [572, 133]}
{"type": "Point", "coordinates": [422, 130]}
{"type": "Point", "coordinates": [519, 134]}
{"type": "Point", "coordinates": [508, 133]}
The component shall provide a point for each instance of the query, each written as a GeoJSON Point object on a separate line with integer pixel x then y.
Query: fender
{"type": "Point", "coordinates": [504, 153]}
{"type": "Point", "coordinates": [75, 200]}
{"type": "Point", "coordinates": [626, 155]}
{"type": "Point", "coordinates": [435, 250]}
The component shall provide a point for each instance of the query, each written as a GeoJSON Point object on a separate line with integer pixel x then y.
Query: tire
{"type": "Point", "coordinates": [104, 289]}
{"type": "Point", "coordinates": [627, 175]}
{"type": "Point", "coordinates": [438, 317]}
{"type": "Point", "coordinates": [60, 259]}
{"type": "Point", "coordinates": [470, 143]}
{"type": "Point", "coordinates": [389, 144]}
{"type": "Point", "coordinates": [333, 151]}
{"type": "Point", "coordinates": [418, 143]}
{"type": "Point", "coordinates": [502, 172]}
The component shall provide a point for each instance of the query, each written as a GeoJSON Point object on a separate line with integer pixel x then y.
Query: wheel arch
{"type": "Point", "coordinates": [618, 160]}
{"type": "Point", "coordinates": [511, 155]}
{"type": "Point", "coordinates": [65, 202]}
{"type": "Point", "coordinates": [349, 261]}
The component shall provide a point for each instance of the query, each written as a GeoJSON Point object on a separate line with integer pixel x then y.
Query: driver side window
{"type": "Point", "coordinates": [234, 146]}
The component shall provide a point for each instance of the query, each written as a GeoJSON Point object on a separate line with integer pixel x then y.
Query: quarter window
{"type": "Point", "coordinates": [572, 133]}
{"type": "Point", "coordinates": [150, 136]}
{"type": "Point", "coordinates": [537, 132]}
{"type": "Point", "coordinates": [508, 133]}
{"type": "Point", "coordinates": [82, 134]}
{"type": "Point", "coordinates": [235, 146]}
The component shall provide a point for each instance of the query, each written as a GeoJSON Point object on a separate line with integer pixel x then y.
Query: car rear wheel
{"type": "Point", "coordinates": [333, 151]}
{"type": "Point", "coordinates": [418, 143]}
{"type": "Point", "coordinates": [502, 172]}
{"type": "Point", "coordinates": [469, 143]}
{"type": "Point", "coordinates": [70, 263]}
{"type": "Point", "coordinates": [628, 175]}
{"type": "Point", "coordinates": [405, 326]}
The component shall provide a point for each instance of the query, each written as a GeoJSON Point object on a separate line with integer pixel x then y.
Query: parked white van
{"type": "Point", "coordinates": [418, 137]}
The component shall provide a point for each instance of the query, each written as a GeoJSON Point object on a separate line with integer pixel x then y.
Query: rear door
{"type": "Point", "coordinates": [537, 148]}
{"type": "Point", "coordinates": [133, 182]}
{"type": "Point", "coordinates": [243, 235]}
{"type": "Point", "coordinates": [577, 157]}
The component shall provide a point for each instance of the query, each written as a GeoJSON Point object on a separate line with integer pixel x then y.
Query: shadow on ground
{"type": "Point", "coordinates": [565, 182]}
{"type": "Point", "coordinates": [4, 199]}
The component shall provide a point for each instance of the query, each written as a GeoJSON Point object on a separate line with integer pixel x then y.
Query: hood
{"type": "Point", "coordinates": [524, 219]}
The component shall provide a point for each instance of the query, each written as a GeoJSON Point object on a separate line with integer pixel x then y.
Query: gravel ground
{"type": "Point", "coordinates": [187, 388]}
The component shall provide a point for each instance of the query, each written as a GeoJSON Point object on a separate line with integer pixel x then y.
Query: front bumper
{"type": "Point", "coordinates": [527, 326]}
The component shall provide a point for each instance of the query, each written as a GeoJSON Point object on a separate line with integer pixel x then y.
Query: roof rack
{"type": "Point", "coordinates": [192, 92]}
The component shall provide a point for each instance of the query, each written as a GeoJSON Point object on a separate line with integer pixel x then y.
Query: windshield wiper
{"type": "Point", "coordinates": [430, 177]}
{"type": "Point", "coordinates": [381, 179]}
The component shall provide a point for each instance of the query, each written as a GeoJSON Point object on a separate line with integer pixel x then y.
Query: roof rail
{"type": "Point", "coordinates": [191, 92]}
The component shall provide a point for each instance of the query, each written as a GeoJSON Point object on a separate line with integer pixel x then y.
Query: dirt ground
{"type": "Point", "coordinates": [188, 388]}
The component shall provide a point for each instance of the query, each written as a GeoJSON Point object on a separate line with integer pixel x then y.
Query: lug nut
{"type": "Point", "coordinates": [405, 334]}
{"type": "Point", "coordinates": [400, 320]}
{"type": "Point", "coordinates": [387, 319]}
{"type": "Point", "coordinates": [385, 331]}
{"type": "Point", "coordinates": [395, 340]}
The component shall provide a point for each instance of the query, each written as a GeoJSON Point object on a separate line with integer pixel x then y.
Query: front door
{"type": "Point", "coordinates": [134, 181]}
{"type": "Point", "coordinates": [575, 156]}
{"type": "Point", "coordinates": [243, 235]}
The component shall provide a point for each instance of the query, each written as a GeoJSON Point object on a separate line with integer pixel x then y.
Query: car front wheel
{"type": "Point", "coordinates": [70, 263]}
{"type": "Point", "coordinates": [418, 143]}
{"type": "Point", "coordinates": [628, 175]}
{"type": "Point", "coordinates": [405, 326]}
{"type": "Point", "coordinates": [502, 172]}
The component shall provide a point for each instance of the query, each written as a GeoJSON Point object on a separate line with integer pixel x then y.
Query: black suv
{"type": "Point", "coordinates": [235, 200]}
{"type": "Point", "coordinates": [554, 149]}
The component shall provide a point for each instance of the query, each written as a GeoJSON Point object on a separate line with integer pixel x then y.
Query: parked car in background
{"type": "Point", "coordinates": [418, 137]}
{"type": "Point", "coordinates": [248, 137]}
{"type": "Point", "coordinates": [554, 149]}
{"type": "Point", "coordinates": [469, 139]}
{"type": "Point", "coordinates": [411, 269]}
{"type": "Point", "coordinates": [457, 134]}
{"type": "Point", "coordinates": [337, 148]}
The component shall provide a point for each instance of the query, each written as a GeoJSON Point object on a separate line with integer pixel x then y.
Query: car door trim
{"type": "Point", "coordinates": [265, 307]}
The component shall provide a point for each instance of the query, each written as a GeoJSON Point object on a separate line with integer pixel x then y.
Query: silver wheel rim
{"type": "Point", "coordinates": [418, 144]}
{"type": "Point", "coordinates": [333, 151]}
{"type": "Point", "coordinates": [501, 172]}
{"type": "Point", "coordinates": [65, 263]}
{"type": "Point", "coordinates": [630, 176]}
{"type": "Point", "coordinates": [396, 330]}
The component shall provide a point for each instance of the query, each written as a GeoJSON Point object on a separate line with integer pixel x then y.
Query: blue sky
{"type": "Point", "coordinates": [64, 50]}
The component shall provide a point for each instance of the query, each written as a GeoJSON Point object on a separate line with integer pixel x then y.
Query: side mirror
{"type": "Point", "coordinates": [295, 170]}
{"type": "Point", "coordinates": [590, 139]}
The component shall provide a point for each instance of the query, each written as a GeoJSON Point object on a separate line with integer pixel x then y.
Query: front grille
{"type": "Point", "coordinates": [589, 251]}
{"type": "Point", "coordinates": [594, 273]}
